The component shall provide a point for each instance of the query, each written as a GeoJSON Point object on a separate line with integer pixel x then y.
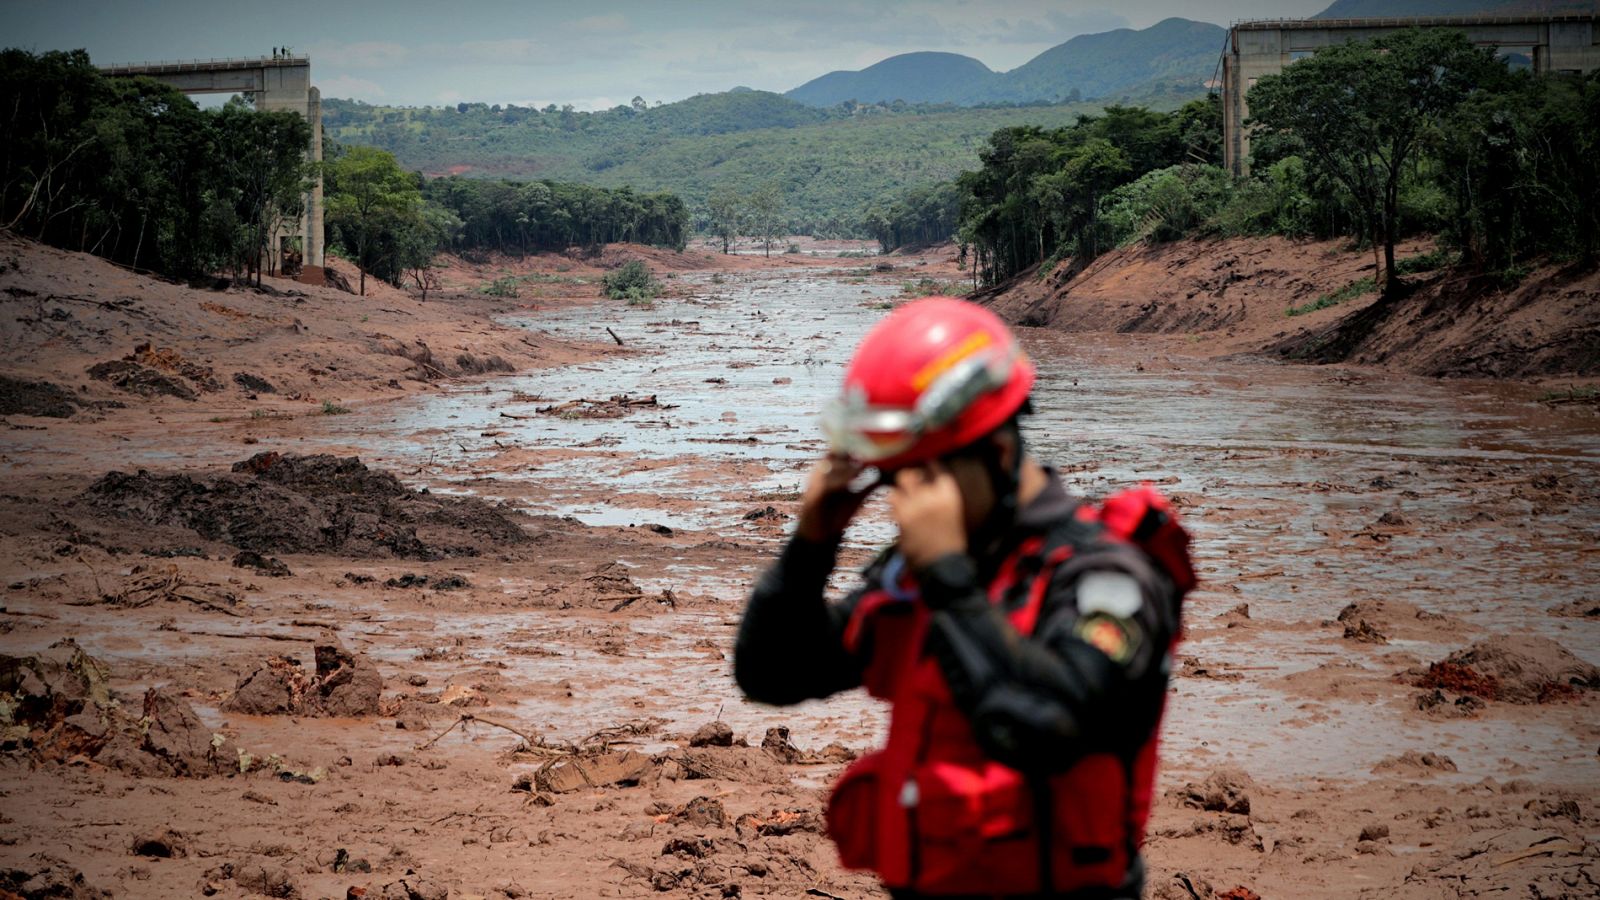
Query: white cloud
{"type": "Point", "coordinates": [362, 54]}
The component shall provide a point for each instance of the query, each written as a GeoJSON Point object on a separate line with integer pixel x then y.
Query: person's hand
{"type": "Point", "coordinates": [926, 504]}
{"type": "Point", "coordinates": [828, 504]}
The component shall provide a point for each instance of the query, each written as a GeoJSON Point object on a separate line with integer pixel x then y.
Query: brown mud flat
{"type": "Point", "coordinates": [1233, 294]}
{"type": "Point", "coordinates": [362, 703]}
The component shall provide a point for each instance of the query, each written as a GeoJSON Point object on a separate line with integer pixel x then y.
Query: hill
{"type": "Point", "coordinates": [830, 163]}
{"type": "Point", "coordinates": [912, 77]}
{"type": "Point", "coordinates": [1124, 61]}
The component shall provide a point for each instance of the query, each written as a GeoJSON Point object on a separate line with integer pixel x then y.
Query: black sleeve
{"type": "Point", "coordinates": [790, 645]}
{"type": "Point", "coordinates": [1040, 703]}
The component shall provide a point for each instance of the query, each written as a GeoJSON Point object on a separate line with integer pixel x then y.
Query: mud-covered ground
{"type": "Point", "coordinates": [488, 658]}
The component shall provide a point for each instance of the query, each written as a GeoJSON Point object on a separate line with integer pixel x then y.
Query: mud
{"type": "Point", "coordinates": [35, 398]}
{"type": "Point", "coordinates": [595, 649]}
{"type": "Point", "coordinates": [276, 503]}
{"type": "Point", "coordinates": [342, 684]}
{"type": "Point", "coordinates": [1512, 668]}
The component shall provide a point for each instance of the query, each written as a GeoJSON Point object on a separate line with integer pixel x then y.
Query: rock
{"type": "Point", "coordinates": [129, 376]}
{"type": "Point", "coordinates": [349, 683]}
{"type": "Point", "coordinates": [1393, 519]}
{"type": "Point", "coordinates": [176, 736]}
{"type": "Point", "coordinates": [1363, 632]}
{"type": "Point", "coordinates": [713, 734]}
{"type": "Point", "coordinates": [764, 514]}
{"type": "Point", "coordinates": [1375, 832]}
{"type": "Point", "coordinates": [1415, 764]}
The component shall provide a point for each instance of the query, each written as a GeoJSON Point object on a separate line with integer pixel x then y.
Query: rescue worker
{"type": "Point", "coordinates": [1021, 636]}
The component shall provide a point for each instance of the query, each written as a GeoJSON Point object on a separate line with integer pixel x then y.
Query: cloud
{"type": "Point", "coordinates": [362, 54]}
{"type": "Point", "coordinates": [347, 86]}
{"type": "Point", "coordinates": [615, 22]}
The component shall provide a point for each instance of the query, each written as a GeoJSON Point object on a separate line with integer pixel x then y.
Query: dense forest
{"type": "Point", "coordinates": [827, 165]}
{"type": "Point", "coordinates": [132, 170]}
{"type": "Point", "coordinates": [1415, 132]}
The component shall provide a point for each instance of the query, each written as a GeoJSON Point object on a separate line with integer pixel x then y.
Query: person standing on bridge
{"type": "Point", "coordinates": [1021, 637]}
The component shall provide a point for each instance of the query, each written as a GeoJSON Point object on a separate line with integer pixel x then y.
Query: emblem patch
{"type": "Point", "coordinates": [1109, 635]}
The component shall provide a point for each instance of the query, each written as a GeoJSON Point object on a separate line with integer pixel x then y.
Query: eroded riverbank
{"type": "Point", "coordinates": [1309, 489]}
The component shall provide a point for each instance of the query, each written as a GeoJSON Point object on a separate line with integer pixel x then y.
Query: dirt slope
{"type": "Point", "coordinates": [1236, 293]}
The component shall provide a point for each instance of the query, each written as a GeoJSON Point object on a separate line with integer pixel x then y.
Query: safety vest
{"type": "Point", "coordinates": [932, 813]}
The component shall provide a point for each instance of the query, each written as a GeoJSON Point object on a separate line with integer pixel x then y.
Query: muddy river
{"type": "Point", "coordinates": [1282, 470]}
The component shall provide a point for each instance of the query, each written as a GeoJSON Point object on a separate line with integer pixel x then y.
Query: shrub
{"type": "Point", "coordinates": [504, 286]}
{"type": "Point", "coordinates": [1349, 292]}
{"type": "Point", "coordinates": [633, 283]}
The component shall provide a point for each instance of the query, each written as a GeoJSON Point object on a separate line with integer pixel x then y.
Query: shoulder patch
{"type": "Point", "coordinates": [1115, 594]}
{"type": "Point", "coordinates": [1113, 637]}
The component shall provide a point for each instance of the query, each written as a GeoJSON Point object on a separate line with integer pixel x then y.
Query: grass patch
{"type": "Point", "coordinates": [1425, 262]}
{"type": "Point", "coordinates": [330, 408]}
{"type": "Point", "coordinates": [927, 287]}
{"type": "Point", "coordinates": [1349, 292]}
{"type": "Point", "coordinates": [634, 283]}
{"type": "Point", "coordinates": [1585, 394]}
{"type": "Point", "coordinates": [504, 286]}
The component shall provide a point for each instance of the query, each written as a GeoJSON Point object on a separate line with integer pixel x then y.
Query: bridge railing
{"type": "Point", "coordinates": [201, 65]}
{"type": "Point", "coordinates": [1405, 21]}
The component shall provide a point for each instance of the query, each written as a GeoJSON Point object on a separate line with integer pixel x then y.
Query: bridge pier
{"type": "Point", "coordinates": [274, 83]}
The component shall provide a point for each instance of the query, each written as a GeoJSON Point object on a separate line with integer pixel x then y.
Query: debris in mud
{"type": "Point", "coordinates": [613, 407]}
{"type": "Point", "coordinates": [56, 706]}
{"type": "Point", "coordinates": [169, 585]}
{"type": "Point", "coordinates": [414, 888]}
{"type": "Point", "coordinates": [1587, 608]}
{"type": "Point", "coordinates": [1363, 632]}
{"type": "Point", "coordinates": [701, 812]}
{"type": "Point", "coordinates": [284, 503]}
{"type": "Point", "coordinates": [413, 580]}
{"type": "Point", "coordinates": [713, 734]}
{"type": "Point", "coordinates": [270, 566]}
{"type": "Point", "coordinates": [47, 878]}
{"type": "Point", "coordinates": [253, 384]}
{"type": "Point", "coordinates": [471, 365]}
{"type": "Point", "coordinates": [765, 514]}
{"type": "Point", "coordinates": [608, 587]}
{"type": "Point", "coordinates": [344, 684]}
{"type": "Point", "coordinates": [35, 398]}
{"type": "Point", "coordinates": [1520, 861]}
{"type": "Point", "coordinates": [623, 768]}
{"type": "Point", "coordinates": [1225, 790]}
{"type": "Point", "coordinates": [779, 823]}
{"type": "Point", "coordinates": [1414, 764]}
{"type": "Point", "coordinates": [1511, 668]}
{"type": "Point", "coordinates": [265, 879]}
{"type": "Point", "coordinates": [162, 843]}
{"type": "Point", "coordinates": [142, 380]}
{"type": "Point", "coordinates": [776, 744]}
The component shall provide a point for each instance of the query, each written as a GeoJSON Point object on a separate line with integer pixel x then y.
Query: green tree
{"type": "Point", "coordinates": [369, 198]}
{"type": "Point", "coordinates": [264, 157]}
{"type": "Point", "coordinates": [725, 208]}
{"type": "Point", "coordinates": [1362, 110]}
{"type": "Point", "coordinates": [764, 209]}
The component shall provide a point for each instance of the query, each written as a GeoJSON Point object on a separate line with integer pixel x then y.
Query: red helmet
{"type": "Point", "coordinates": [934, 376]}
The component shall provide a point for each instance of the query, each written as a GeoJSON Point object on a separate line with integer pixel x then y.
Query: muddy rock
{"type": "Point", "coordinates": [776, 744]}
{"type": "Point", "coordinates": [282, 503]}
{"type": "Point", "coordinates": [1378, 620]}
{"type": "Point", "coordinates": [45, 877]}
{"type": "Point", "coordinates": [162, 843]}
{"type": "Point", "coordinates": [176, 737]}
{"type": "Point", "coordinates": [713, 734]}
{"type": "Point", "coordinates": [35, 398]}
{"type": "Point", "coordinates": [780, 822]}
{"type": "Point", "coordinates": [1511, 668]}
{"type": "Point", "coordinates": [701, 812]}
{"type": "Point", "coordinates": [344, 684]}
{"type": "Point", "coordinates": [267, 879]}
{"type": "Point", "coordinates": [1225, 790]}
{"type": "Point", "coordinates": [414, 888]}
{"type": "Point", "coordinates": [1363, 632]}
{"type": "Point", "coordinates": [1586, 608]}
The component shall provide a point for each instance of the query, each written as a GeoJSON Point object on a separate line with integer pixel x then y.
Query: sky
{"type": "Point", "coordinates": [593, 55]}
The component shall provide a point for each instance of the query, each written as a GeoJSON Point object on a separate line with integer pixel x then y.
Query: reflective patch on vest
{"type": "Point", "coordinates": [1113, 593]}
{"type": "Point", "coordinates": [1112, 636]}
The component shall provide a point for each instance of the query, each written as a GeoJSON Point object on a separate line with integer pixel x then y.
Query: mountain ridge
{"type": "Point", "coordinates": [1124, 60]}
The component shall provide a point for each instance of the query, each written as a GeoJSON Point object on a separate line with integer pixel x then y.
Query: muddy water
{"type": "Point", "coordinates": [1283, 471]}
